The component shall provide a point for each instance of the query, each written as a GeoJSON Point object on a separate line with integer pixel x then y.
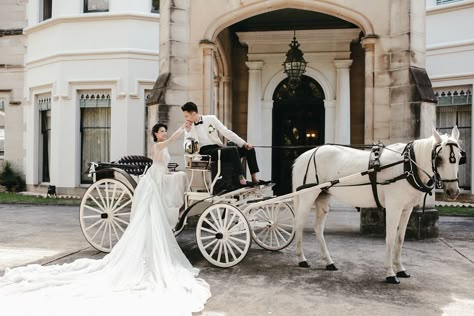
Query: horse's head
{"type": "Point", "coordinates": [446, 157]}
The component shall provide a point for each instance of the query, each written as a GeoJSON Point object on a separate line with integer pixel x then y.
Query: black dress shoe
{"type": "Point", "coordinates": [262, 182]}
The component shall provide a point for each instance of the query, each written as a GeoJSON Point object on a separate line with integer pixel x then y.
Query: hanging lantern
{"type": "Point", "coordinates": [294, 65]}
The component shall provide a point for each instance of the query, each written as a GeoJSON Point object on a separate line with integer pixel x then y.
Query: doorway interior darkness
{"type": "Point", "coordinates": [298, 120]}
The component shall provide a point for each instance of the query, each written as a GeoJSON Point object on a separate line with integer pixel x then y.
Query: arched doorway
{"type": "Point", "coordinates": [298, 120]}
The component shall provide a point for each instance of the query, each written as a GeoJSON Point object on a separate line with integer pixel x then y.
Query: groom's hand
{"type": "Point", "coordinates": [248, 146]}
{"type": "Point", "coordinates": [187, 125]}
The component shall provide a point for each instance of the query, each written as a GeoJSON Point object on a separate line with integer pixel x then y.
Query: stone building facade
{"type": "Point", "coordinates": [227, 56]}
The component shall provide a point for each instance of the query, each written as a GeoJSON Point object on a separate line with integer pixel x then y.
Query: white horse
{"type": "Point", "coordinates": [438, 153]}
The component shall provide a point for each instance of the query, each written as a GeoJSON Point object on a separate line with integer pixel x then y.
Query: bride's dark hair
{"type": "Point", "coordinates": [156, 128]}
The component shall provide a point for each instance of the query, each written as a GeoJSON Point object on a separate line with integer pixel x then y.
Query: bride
{"type": "Point", "coordinates": [146, 273]}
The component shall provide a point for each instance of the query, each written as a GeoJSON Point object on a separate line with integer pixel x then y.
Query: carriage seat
{"type": "Point", "coordinates": [137, 165]}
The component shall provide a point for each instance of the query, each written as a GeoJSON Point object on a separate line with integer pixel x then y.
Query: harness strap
{"type": "Point", "coordinates": [313, 156]}
{"type": "Point", "coordinates": [374, 163]}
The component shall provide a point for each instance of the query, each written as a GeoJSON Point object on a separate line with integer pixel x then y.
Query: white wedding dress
{"type": "Point", "coordinates": [145, 274]}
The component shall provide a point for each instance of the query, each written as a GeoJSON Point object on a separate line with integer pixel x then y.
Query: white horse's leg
{"type": "Point", "coordinates": [303, 205]}
{"type": "Point", "coordinates": [392, 221]}
{"type": "Point", "coordinates": [397, 260]}
{"type": "Point", "coordinates": [322, 209]}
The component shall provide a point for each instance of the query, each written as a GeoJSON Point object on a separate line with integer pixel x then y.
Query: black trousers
{"type": "Point", "coordinates": [233, 154]}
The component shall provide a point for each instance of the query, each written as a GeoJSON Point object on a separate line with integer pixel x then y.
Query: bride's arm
{"type": "Point", "coordinates": [173, 137]}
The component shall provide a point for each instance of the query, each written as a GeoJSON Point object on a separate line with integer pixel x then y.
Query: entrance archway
{"type": "Point", "coordinates": [298, 120]}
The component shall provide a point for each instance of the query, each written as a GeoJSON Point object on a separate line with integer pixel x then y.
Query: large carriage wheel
{"type": "Point", "coordinates": [223, 235]}
{"type": "Point", "coordinates": [105, 213]}
{"type": "Point", "coordinates": [273, 225]}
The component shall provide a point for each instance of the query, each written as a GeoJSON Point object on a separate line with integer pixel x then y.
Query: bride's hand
{"type": "Point", "coordinates": [187, 126]}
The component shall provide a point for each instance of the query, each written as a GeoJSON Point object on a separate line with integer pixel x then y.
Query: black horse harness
{"type": "Point", "coordinates": [410, 169]}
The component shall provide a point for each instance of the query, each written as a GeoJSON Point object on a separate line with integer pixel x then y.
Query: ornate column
{"type": "Point", "coordinates": [368, 43]}
{"type": "Point", "coordinates": [208, 77]}
{"type": "Point", "coordinates": [254, 113]}
{"type": "Point", "coordinates": [343, 102]}
{"type": "Point", "coordinates": [330, 121]}
{"type": "Point", "coordinates": [227, 101]}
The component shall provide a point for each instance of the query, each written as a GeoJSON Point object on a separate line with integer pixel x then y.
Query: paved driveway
{"type": "Point", "coordinates": [270, 283]}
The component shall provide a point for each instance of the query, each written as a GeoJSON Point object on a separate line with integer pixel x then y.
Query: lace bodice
{"type": "Point", "coordinates": [161, 157]}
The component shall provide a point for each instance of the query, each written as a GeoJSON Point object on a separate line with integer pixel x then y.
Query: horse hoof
{"type": "Point", "coordinates": [331, 267]}
{"type": "Point", "coordinates": [392, 280]}
{"type": "Point", "coordinates": [303, 264]}
{"type": "Point", "coordinates": [403, 274]}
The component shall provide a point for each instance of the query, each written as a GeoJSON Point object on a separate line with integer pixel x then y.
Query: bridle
{"type": "Point", "coordinates": [436, 161]}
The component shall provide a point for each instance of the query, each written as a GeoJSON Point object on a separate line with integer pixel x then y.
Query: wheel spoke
{"type": "Point", "coordinates": [100, 195]}
{"type": "Point", "coordinates": [219, 217]}
{"type": "Point", "coordinates": [226, 253]}
{"type": "Point", "coordinates": [286, 225]}
{"type": "Point", "coordinates": [219, 254]}
{"type": "Point", "coordinates": [112, 223]}
{"type": "Point", "coordinates": [91, 216]}
{"type": "Point", "coordinates": [210, 244]}
{"type": "Point", "coordinates": [112, 198]}
{"type": "Point", "coordinates": [110, 236]}
{"type": "Point", "coordinates": [209, 231]}
{"type": "Point", "coordinates": [261, 232]}
{"type": "Point", "coordinates": [238, 240]}
{"type": "Point", "coordinates": [123, 214]}
{"type": "Point", "coordinates": [107, 194]}
{"type": "Point", "coordinates": [93, 225]}
{"type": "Point", "coordinates": [120, 227]}
{"type": "Point", "coordinates": [230, 250]}
{"type": "Point", "coordinates": [276, 238]}
{"type": "Point", "coordinates": [122, 206]}
{"type": "Point", "coordinates": [98, 230]}
{"type": "Point", "coordinates": [215, 247]}
{"type": "Point", "coordinates": [215, 221]}
{"type": "Point", "coordinates": [231, 220]}
{"type": "Point", "coordinates": [93, 209]}
{"type": "Point", "coordinates": [235, 246]}
{"type": "Point", "coordinates": [212, 225]}
{"type": "Point", "coordinates": [103, 233]}
{"type": "Point", "coordinates": [281, 236]}
{"type": "Point", "coordinates": [240, 232]}
{"type": "Point", "coordinates": [121, 221]}
{"type": "Point", "coordinates": [283, 231]}
{"type": "Point", "coordinates": [97, 202]}
{"type": "Point", "coordinates": [207, 237]}
{"type": "Point", "coordinates": [118, 200]}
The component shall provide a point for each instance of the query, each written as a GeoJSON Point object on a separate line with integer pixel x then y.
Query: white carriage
{"type": "Point", "coordinates": [227, 221]}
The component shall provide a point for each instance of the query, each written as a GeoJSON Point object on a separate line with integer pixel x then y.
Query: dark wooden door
{"type": "Point", "coordinates": [298, 120]}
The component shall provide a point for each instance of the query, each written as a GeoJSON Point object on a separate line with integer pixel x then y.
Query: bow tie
{"type": "Point", "coordinates": [197, 123]}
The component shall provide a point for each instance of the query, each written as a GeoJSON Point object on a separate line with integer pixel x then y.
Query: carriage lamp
{"type": "Point", "coordinates": [294, 65]}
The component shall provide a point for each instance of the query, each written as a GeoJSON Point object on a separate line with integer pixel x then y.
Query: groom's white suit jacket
{"type": "Point", "coordinates": [206, 133]}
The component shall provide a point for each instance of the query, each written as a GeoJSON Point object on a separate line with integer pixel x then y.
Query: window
{"type": "Point", "coordinates": [441, 2]}
{"type": "Point", "coordinates": [44, 154]}
{"type": "Point", "coordinates": [455, 108]}
{"type": "Point", "coordinates": [96, 6]}
{"type": "Point", "coordinates": [95, 129]}
{"type": "Point", "coordinates": [155, 6]}
{"type": "Point", "coordinates": [47, 9]}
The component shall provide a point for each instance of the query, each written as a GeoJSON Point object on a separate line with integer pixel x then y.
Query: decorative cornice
{"type": "Point", "coordinates": [88, 17]}
{"type": "Point", "coordinates": [451, 46]}
{"type": "Point", "coordinates": [460, 76]}
{"type": "Point", "coordinates": [254, 65]}
{"type": "Point", "coordinates": [303, 36]}
{"type": "Point", "coordinates": [87, 54]}
{"type": "Point", "coordinates": [456, 6]}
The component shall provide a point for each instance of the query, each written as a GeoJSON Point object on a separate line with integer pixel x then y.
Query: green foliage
{"type": "Point", "coordinates": [455, 211]}
{"type": "Point", "coordinates": [11, 179]}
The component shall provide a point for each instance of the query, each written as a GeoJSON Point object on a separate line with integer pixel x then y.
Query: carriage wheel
{"type": "Point", "coordinates": [105, 213]}
{"type": "Point", "coordinates": [223, 235]}
{"type": "Point", "coordinates": [273, 225]}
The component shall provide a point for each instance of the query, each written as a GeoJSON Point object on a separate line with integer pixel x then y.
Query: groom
{"type": "Point", "coordinates": [204, 128]}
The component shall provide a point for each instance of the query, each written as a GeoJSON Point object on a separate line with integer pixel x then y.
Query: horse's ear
{"type": "Point", "coordinates": [455, 133]}
{"type": "Point", "coordinates": [436, 136]}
